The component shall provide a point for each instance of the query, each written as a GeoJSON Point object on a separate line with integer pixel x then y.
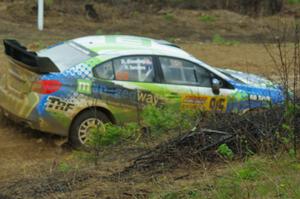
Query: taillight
{"type": "Point", "coordinates": [46, 86]}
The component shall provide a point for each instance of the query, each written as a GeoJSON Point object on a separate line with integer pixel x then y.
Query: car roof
{"type": "Point", "coordinates": [122, 45]}
{"type": "Point", "coordinates": [112, 46]}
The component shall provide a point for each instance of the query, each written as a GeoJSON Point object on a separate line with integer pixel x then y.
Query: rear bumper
{"type": "Point", "coordinates": [35, 122]}
{"type": "Point", "coordinates": [25, 113]}
{"type": "Point", "coordinates": [20, 104]}
{"type": "Point", "coordinates": [17, 119]}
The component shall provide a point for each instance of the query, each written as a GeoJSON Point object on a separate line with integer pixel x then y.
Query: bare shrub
{"type": "Point", "coordinates": [285, 54]}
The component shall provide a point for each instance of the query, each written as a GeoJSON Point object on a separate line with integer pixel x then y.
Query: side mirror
{"type": "Point", "coordinates": [216, 85]}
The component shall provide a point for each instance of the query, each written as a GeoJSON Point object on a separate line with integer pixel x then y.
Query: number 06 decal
{"type": "Point", "coordinates": [218, 104]}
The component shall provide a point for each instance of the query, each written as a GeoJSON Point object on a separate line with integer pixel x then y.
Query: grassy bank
{"type": "Point", "coordinates": [256, 177]}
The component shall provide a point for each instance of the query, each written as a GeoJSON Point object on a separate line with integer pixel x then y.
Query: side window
{"type": "Point", "coordinates": [105, 71]}
{"type": "Point", "coordinates": [177, 71]}
{"type": "Point", "coordinates": [134, 68]}
{"type": "Point", "coordinates": [203, 76]}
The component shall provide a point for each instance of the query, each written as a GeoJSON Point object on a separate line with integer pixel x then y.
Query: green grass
{"type": "Point", "coordinates": [207, 18]}
{"type": "Point", "coordinates": [258, 177]}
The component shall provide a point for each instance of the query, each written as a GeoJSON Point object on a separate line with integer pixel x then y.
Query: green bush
{"type": "Point", "coordinates": [169, 118]}
{"type": "Point", "coordinates": [288, 133]}
{"type": "Point", "coordinates": [109, 134]}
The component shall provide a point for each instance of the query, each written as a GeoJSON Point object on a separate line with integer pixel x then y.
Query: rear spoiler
{"type": "Point", "coordinates": [28, 59]}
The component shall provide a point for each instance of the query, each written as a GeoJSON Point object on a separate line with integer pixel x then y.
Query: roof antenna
{"type": "Point", "coordinates": [40, 15]}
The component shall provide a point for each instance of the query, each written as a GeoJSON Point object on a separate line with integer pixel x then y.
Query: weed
{"type": "Point", "coordinates": [225, 151]}
{"type": "Point", "coordinates": [64, 167]}
{"type": "Point", "coordinates": [207, 18]}
{"type": "Point", "coordinates": [295, 166]}
{"type": "Point", "coordinates": [193, 194]}
{"type": "Point", "coordinates": [169, 17]}
{"type": "Point", "coordinates": [247, 173]}
{"type": "Point", "coordinates": [219, 40]}
{"type": "Point", "coordinates": [108, 134]}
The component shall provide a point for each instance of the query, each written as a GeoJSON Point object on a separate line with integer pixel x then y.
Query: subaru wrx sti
{"type": "Point", "coordinates": [73, 86]}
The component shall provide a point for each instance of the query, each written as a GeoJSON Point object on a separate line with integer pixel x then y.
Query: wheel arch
{"type": "Point", "coordinates": [94, 108]}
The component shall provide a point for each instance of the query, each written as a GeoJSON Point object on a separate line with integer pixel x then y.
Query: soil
{"type": "Point", "coordinates": [29, 160]}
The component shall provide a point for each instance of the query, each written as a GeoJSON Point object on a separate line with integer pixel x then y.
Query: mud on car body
{"type": "Point", "coordinates": [71, 87]}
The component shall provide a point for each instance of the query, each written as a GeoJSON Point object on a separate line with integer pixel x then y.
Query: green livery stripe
{"type": "Point", "coordinates": [116, 48]}
{"type": "Point", "coordinates": [93, 61]}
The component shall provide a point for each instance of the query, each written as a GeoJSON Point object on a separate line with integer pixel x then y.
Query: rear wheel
{"type": "Point", "coordinates": [83, 124]}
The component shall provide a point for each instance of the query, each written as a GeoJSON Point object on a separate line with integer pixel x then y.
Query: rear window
{"type": "Point", "coordinates": [66, 55]}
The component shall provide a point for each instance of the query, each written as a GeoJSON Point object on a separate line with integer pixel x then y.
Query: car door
{"type": "Point", "coordinates": [132, 84]}
{"type": "Point", "coordinates": [190, 85]}
{"type": "Point", "coordinates": [120, 99]}
{"type": "Point", "coordinates": [139, 72]}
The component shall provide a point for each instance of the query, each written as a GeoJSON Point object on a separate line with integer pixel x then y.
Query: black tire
{"type": "Point", "coordinates": [74, 137]}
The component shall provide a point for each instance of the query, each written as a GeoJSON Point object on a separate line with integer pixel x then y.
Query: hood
{"type": "Point", "coordinates": [248, 78]}
{"type": "Point", "coordinates": [254, 86]}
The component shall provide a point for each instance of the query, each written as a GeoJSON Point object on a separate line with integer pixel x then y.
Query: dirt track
{"type": "Point", "coordinates": [23, 149]}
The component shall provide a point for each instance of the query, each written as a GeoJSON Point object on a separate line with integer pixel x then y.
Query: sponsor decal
{"type": "Point", "coordinates": [218, 103]}
{"type": "Point", "coordinates": [260, 98]}
{"type": "Point", "coordinates": [194, 99]}
{"type": "Point", "coordinates": [147, 98]}
{"type": "Point", "coordinates": [55, 104]}
{"type": "Point", "coordinates": [84, 86]}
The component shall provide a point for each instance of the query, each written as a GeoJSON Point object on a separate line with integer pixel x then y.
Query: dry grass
{"type": "Point", "coordinates": [248, 57]}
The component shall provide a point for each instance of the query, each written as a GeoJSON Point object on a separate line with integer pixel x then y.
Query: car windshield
{"type": "Point", "coordinates": [231, 76]}
{"type": "Point", "coordinates": [65, 55]}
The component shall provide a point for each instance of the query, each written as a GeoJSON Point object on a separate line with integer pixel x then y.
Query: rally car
{"type": "Point", "coordinates": [73, 86]}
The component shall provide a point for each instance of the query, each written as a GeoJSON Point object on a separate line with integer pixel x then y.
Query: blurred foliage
{"type": "Point", "coordinates": [249, 7]}
{"type": "Point", "coordinates": [49, 2]}
{"type": "Point", "coordinates": [293, 1]}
